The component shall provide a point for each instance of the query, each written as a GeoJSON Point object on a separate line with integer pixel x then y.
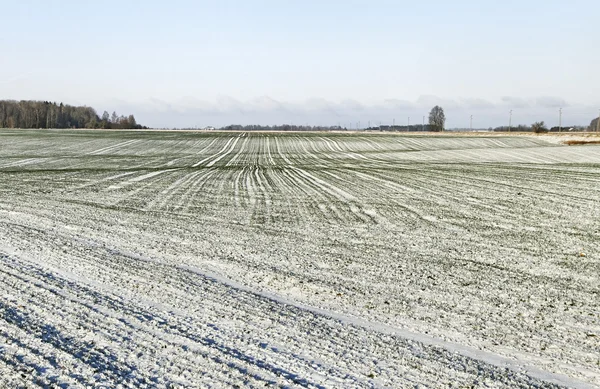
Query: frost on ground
{"type": "Point", "coordinates": [168, 260]}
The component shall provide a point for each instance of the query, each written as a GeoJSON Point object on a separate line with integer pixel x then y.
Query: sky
{"type": "Point", "coordinates": [196, 63]}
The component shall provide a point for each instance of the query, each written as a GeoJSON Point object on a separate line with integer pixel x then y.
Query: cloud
{"type": "Point", "coordinates": [316, 105]}
{"type": "Point", "coordinates": [551, 102]}
{"type": "Point", "coordinates": [431, 101]}
{"type": "Point", "coordinates": [227, 104]}
{"type": "Point", "coordinates": [477, 103]}
{"type": "Point", "coordinates": [352, 105]}
{"type": "Point", "coordinates": [515, 102]}
{"type": "Point", "coordinates": [157, 105]}
{"type": "Point", "coordinates": [397, 104]}
{"type": "Point", "coordinates": [189, 103]}
{"type": "Point", "coordinates": [265, 104]}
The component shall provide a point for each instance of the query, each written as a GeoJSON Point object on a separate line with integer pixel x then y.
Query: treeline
{"type": "Point", "coordinates": [523, 128]}
{"type": "Point", "coordinates": [283, 127]}
{"type": "Point", "coordinates": [519, 128]}
{"type": "Point", "coordinates": [45, 114]}
{"type": "Point", "coordinates": [415, 127]}
{"type": "Point", "coordinates": [289, 127]}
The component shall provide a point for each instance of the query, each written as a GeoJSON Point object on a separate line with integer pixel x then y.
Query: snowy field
{"type": "Point", "coordinates": [209, 260]}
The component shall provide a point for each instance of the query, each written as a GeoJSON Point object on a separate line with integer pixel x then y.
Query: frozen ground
{"type": "Point", "coordinates": [163, 259]}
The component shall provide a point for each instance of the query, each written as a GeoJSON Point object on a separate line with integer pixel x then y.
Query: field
{"type": "Point", "coordinates": [318, 260]}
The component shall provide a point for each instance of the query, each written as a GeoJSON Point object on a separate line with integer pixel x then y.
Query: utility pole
{"type": "Point", "coordinates": [510, 121]}
{"type": "Point", "coordinates": [423, 123]}
{"type": "Point", "coordinates": [471, 124]}
{"type": "Point", "coordinates": [559, 119]}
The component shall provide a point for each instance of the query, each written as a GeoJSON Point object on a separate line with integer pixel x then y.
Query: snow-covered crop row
{"type": "Point", "coordinates": [183, 259]}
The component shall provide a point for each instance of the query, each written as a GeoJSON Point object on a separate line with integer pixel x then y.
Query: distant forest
{"type": "Point", "coordinates": [522, 128]}
{"type": "Point", "coordinates": [395, 128]}
{"type": "Point", "coordinates": [283, 127]}
{"type": "Point", "coordinates": [45, 114]}
{"type": "Point", "coordinates": [289, 127]}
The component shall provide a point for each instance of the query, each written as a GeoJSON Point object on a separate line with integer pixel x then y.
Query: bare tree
{"type": "Point", "coordinates": [539, 127]}
{"type": "Point", "coordinates": [595, 125]}
{"type": "Point", "coordinates": [45, 114]}
{"type": "Point", "coordinates": [437, 118]}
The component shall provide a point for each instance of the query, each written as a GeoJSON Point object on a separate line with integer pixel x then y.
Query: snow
{"type": "Point", "coordinates": [161, 259]}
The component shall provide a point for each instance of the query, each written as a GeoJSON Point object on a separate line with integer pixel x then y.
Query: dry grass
{"type": "Point", "coordinates": [581, 142]}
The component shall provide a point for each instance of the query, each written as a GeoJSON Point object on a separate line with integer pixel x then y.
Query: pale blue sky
{"type": "Point", "coordinates": [196, 63]}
